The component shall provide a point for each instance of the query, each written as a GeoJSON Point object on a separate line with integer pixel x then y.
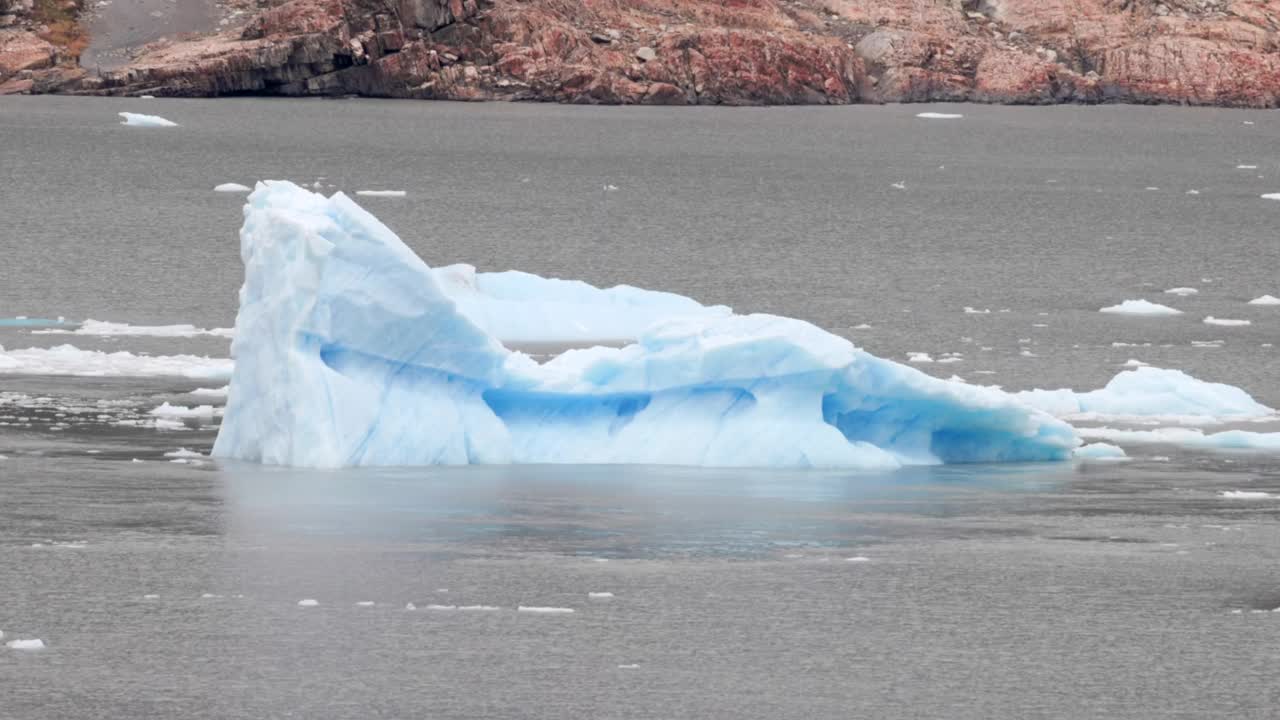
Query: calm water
{"type": "Point", "coordinates": [1072, 591]}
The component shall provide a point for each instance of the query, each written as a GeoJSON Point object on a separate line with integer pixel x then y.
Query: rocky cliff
{"type": "Point", "coordinates": [1201, 52]}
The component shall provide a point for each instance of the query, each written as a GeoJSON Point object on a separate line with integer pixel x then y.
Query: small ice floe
{"type": "Point", "coordinates": [599, 595]}
{"type": "Point", "coordinates": [136, 460]}
{"type": "Point", "coordinates": [1265, 300]}
{"type": "Point", "coordinates": [33, 644]}
{"type": "Point", "coordinates": [1246, 167]}
{"type": "Point", "coordinates": [1207, 343]}
{"type": "Point", "coordinates": [1183, 291]}
{"type": "Point", "coordinates": [381, 193]}
{"type": "Point", "coordinates": [862, 326]}
{"type": "Point", "coordinates": [232, 188]}
{"type": "Point", "coordinates": [1228, 322]}
{"type": "Point", "coordinates": [183, 411]}
{"type": "Point", "coordinates": [1247, 495]}
{"type": "Point", "coordinates": [211, 392]}
{"type": "Point", "coordinates": [442, 590]}
{"type": "Point", "coordinates": [4, 457]}
{"type": "Point", "coordinates": [1193, 192]}
{"type": "Point", "coordinates": [632, 666]}
{"type": "Point", "coordinates": [183, 453]}
{"type": "Point", "coordinates": [900, 185]}
{"type": "Point", "coordinates": [1131, 362]}
{"type": "Point", "coordinates": [1248, 122]}
{"type": "Point", "coordinates": [974, 311]}
{"type": "Point", "coordinates": [919, 357]}
{"type": "Point", "coordinates": [308, 602]}
{"type": "Point", "coordinates": [151, 596]}
{"type": "Point", "coordinates": [1271, 196]}
{"type": "Point", "coordinates": [1099, 451]}
{"type": "Point", "coordinates": [1151, 187]}
{"type": "Point", "coordinates": [544, 610]}
{"type": "Point", "coordinates": [140, 120]}
{"type": "Point", "coordinates": [1140, 307]}
{"type": "Point", "coordinates": [442, 607]}
{"type": "Point", "coordinates": [209, 596]}
{"type": "Point", "coordinates": [410, 606]}
{"type": "Point", "coordinates": [478, 608]}
{"type": "Point", "coordinates": [1026, 353]}
{"type": "Point", "coordinates": [610, 188]}
{"type": "Point", "coordinates": [364, 603]}
{"type": "Point", "coordinates": [939, 116]}
{"type": "Point", "coordinates": [858, 559]}
{"type": "Point", "coordinates": [1188, 438]}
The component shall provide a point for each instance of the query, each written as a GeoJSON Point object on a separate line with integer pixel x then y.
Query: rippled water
{"type": "Point", "coordinates": [1061, 590]}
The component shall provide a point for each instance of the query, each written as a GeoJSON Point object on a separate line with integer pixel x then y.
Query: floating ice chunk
{"type": "Point", "coordinates": [209, 596]}
{"type": "Point", "coordinates": [632, 666]}
{"type": "Point", "coordinates": [939, 116]}
{"type": "Point", "coordinates": [410, 606]}
{"type": "Point", "coordinates": [1265, 300]}
{"type": "Point", "coordinates": [150, 596]}
{"type": "Point", "coordinates": [183, 453]}
{"type": "Point", "coordinates": [232, 188]}
{"type": "Point", "coordinates": [183, 411]}
{"type": "Point", "coordinates": [1099, 451]}
{"type": "Point", "coordinates": [478, 608]}
{"type": "Point", "coordinates": [1189, 438]}
{"type": "Point", "coordinates": [1227, 322]}
{"type": "Point", "coordinates": [1193, 192]}
{"type": "Point", "coordinates": [349, 352]}
{"type": "Point", "coordinates": [1247, 495]}
{"type": "Point", "coordinates": [919, 357]}
{"type": "Point", "coordinates": [544, 610]}
{"type": "Point", "coordinates": [900, 185]}
{"type": "Point", "coordinates": [974, 311]}
{"type": "Point", "coordinates": [140, 120]}
{"type": "Point", "coordinates": [1183, 291]}
{"type": "Point", "coordinates": [220, 392]}
{"type": "Point", "coordinates": [70, 360]}
{"type": "Point", "coordinates": [1247, 167]}
{"type": "Point", "coordinates": [858, 559]}
{"type": "Point", "coordinates": [381, 193]}
{"type": "Point", "coordinates": [1271, 196]}
{"type": "Point", "coordinates": [34, 644]}
{"type": "Point", "coordinates": [442, 607]}
{"type": "Point", "coordinates": [610, 188]}
{"type": "Point", "coordinates": [1140, 307]}
{"type": "Point", "coordinates": [308, 602]}
{"type": "Point", "coordinates": [599, 595]}
{"type": "Point", "coordinates": [1151, 392]}
{"type": "Point", "coordinates": [1131, 362]}
{"type": "Point", "coordinates": [103, 328]}
{"type": "Point", "coordinates": [365, 603]}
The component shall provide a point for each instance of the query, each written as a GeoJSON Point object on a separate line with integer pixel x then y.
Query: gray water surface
{"type": "Point", "coordinates": [1058, 590]}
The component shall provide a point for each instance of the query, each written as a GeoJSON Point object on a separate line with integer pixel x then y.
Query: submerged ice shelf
{"type": "Point", "coordinates": [349, 350]}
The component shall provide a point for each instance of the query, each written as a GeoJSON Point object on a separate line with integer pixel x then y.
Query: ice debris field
{"type": "Point", "coordinates": [349, 350]}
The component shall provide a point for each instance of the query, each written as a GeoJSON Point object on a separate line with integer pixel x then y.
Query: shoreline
{"type": "Point", "coordinates": [1224, 53]}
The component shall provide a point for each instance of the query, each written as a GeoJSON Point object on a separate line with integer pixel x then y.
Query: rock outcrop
{"type": "Point", "coordinates": [38, 38]}
{"type": "Point", "coordinates": [1202, 52]}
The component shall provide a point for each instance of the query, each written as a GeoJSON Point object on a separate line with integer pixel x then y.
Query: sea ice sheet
{"type": "Point", "coordinates": [349, 350]}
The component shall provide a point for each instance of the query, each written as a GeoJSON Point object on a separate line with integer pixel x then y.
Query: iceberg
{"type": "Point", "coordinates": [71, 360]}
{"type": "Point", "coordinates": [1151, 392]}
{"type": "Point", "coordinates": [1265, 300]}
{"type": "Point", "coordinates": [1140, 307]}
{"type": "Point", "coordinates": [349, 350]}
{"type": "Point", "coordinates": [140, 120]}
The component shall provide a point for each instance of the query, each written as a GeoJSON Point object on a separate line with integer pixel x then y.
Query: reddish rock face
{"type": "Point", "coordinates": [1216, 52]}
{"type": "Point", "coordinates": [24, 51]}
